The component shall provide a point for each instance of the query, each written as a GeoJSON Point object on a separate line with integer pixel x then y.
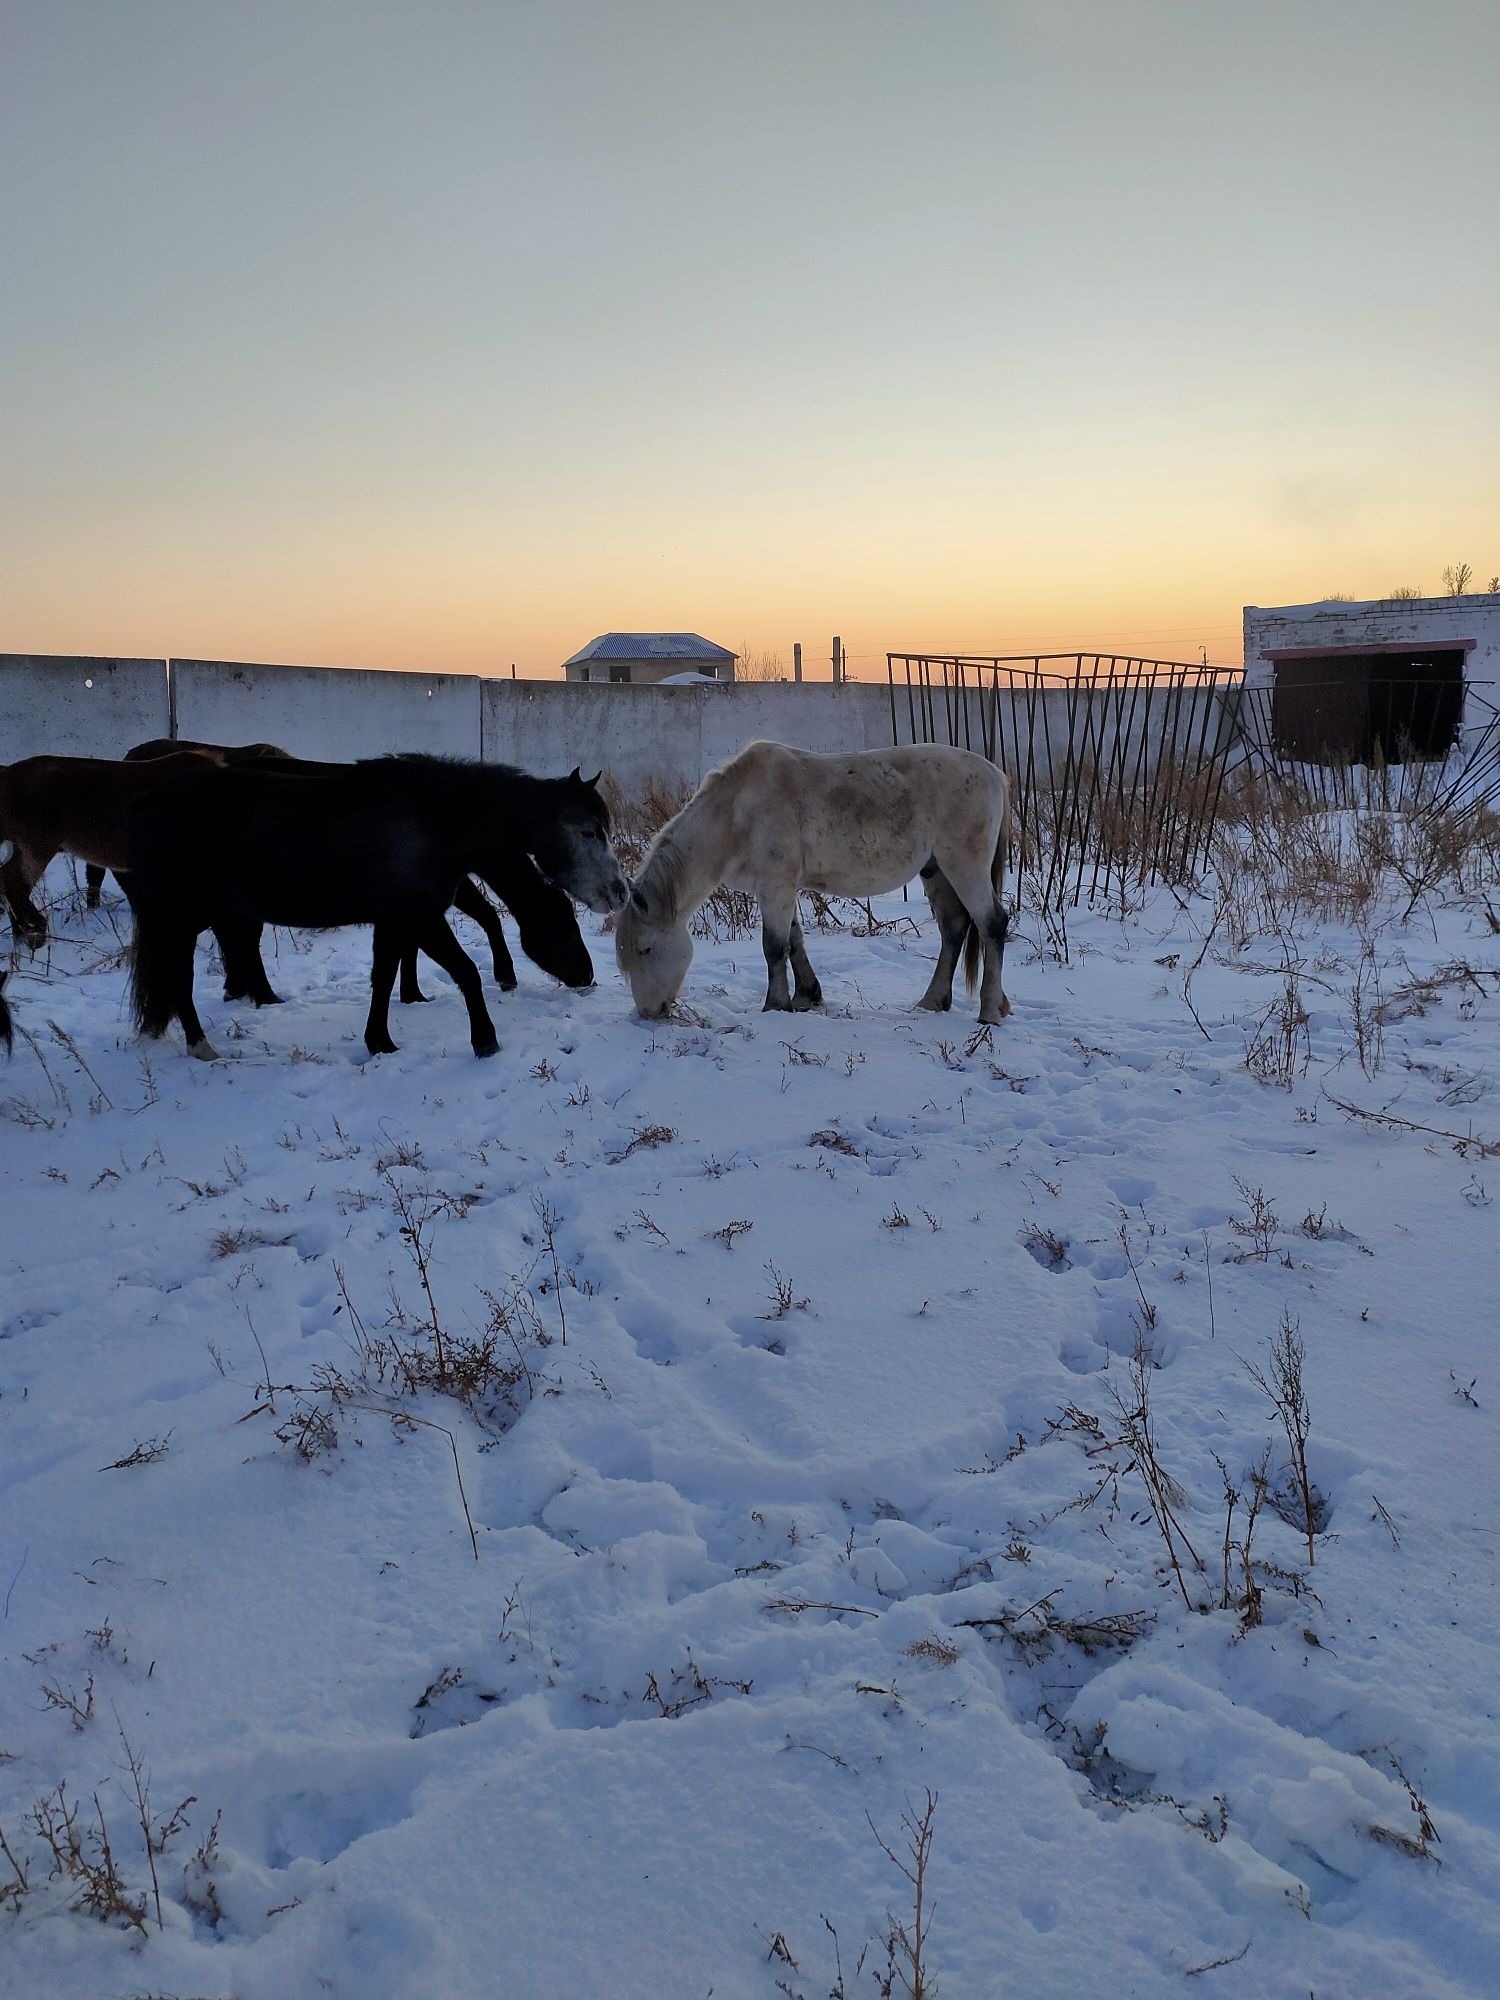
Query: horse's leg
{"type": "Point", "coordinates": [478, 906]}
{"type": "Point", "coordinates": [994, 1002]}
{"type": "Point", "coordinates": [18, 877]}
{"type": "Point", "coordinates": [778, 913]}
{"type": "Point", "coordinates": [411, 991]}
{"type": "Point", "coordinates": [807, 993]}
{"type": "Point", "coordinates": [953, 927]}
{"type": "Point", "coordinates": [170, 946]}
{"type": "Point", "coordinates": [990, 919]}
{"type": "Point", "coordinates": [244, 968]}
{"type": "Point", "coordinates": [389, 947]}
{"type": "Point", "coordinates": [93, 876]}
{"type": "Point", "coordinates": [443, 947]}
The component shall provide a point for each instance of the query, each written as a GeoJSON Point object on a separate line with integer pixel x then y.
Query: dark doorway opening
{"type": "Point", "coordinates": [1367, 708]}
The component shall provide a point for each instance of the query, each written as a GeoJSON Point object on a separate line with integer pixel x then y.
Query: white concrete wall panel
{"type": "Point", "coordinates": [332, 712]}
{"type": "Point", "coordinates": [64, 706]}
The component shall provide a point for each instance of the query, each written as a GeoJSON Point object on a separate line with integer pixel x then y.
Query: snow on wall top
{"type": "Point", "coordinates": [1482, 602]}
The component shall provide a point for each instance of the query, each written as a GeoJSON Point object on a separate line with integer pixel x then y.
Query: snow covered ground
{"type": "Point", "coordinates": [828, 1501]}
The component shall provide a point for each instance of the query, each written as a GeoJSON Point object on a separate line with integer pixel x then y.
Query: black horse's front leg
{"type": "Point", "coordinates": [440, 945]}
{"type": "Point", "coordinates": [473, 904]}
{"type": "Point", "coordinates": [385, 958]}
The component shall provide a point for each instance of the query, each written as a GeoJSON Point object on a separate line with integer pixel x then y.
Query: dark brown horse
{"type": "Point", "coordinates": [77, 806]}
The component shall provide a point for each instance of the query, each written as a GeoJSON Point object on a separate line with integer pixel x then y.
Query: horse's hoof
{"type": "Point", "coordinates": [507, 985]}
{"type": "Point", "coordinates": [993, 1018]}
{"type": "Point", "coordinates": [204, 1050]}
{"type": "Point", "coordinates": [379, 1048]}
{"type": "Point", "coordinates": [935, 1006]}
{"type": "Point", "coordinates": [91, 900]}
{"type": "Point", "coordinates": [803, 1003]}
{"type": "Point", "coordinates": [415, 999]}
{"type": "Point", "coordinates": [777, 1007]}
{"type": "Point", "coordinates": [489, 1048]}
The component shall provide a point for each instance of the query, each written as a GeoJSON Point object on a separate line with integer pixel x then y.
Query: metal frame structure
{"type": "Point", "coordinates": [1116, 763]}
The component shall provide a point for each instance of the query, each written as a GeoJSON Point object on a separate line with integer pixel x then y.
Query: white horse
{"type": "Point", "coordinates": [775, 821]}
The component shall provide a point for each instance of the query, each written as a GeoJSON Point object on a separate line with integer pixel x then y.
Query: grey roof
{"type": "Point", "coordinates": [649, 646]}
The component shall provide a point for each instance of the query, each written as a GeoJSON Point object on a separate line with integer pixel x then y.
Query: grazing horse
{"type": "Point", "coordinates": [775, 821]}
{"type": "Point", "coordinates": [165, 746]}
{"type": "Point", "coordinates": [385, 843]}
{"type": "Point", "coordinates": [71, 805]}
{"type": "Point", "coordinates": [550, 936]}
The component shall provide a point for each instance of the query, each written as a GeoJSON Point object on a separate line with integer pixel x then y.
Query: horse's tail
{"type": "Point", "coordinates": [151, 996]}
{"type": "Point", "coordinates": [973, 941]}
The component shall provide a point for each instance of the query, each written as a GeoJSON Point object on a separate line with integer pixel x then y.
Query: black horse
{"type": "Point", "coordinates": [385, 842]}
{"type": "Point", "coordinates": [550, 936]}
{"type": "Point", "coordinates": [168, 746]}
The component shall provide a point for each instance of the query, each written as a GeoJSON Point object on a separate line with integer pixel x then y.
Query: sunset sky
{"type": "Point", "coordinates": [450, 333]}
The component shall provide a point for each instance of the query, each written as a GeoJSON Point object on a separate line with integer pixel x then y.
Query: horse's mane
{"type": "Point", "coordinates": [663, 876]}
{"type": "Point", "coordinates": [664, 872]}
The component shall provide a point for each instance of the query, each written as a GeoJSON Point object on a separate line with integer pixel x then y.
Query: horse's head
{"type": "Point", "coordinates": [558, 947]}
{"type": "Point", "coordinates": [654, 952]}
{"type": "Point", "coordinates": [571, 845]}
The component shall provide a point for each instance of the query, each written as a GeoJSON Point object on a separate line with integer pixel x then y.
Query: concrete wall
{"type": "Point", "coordinates": [635, 733]}
{"type": "Point", "coordinates": [59, 705]}
{"type": "Point", "coordinates": [1422, 623]}
{"type": "Point", "coordinates": [333, 712]}
{"type": "Point", "coordinates": [675, 734]}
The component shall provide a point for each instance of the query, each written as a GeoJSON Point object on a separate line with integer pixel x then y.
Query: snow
{"type": "Point", "coordinates": [735, 1557]}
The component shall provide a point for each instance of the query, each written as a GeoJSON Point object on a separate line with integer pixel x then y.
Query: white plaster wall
{"type": "Point", "coordinates": [57, 705]}
{"type": "Point", "coordinates": [1421, 622]}
{"type": "Point", "coordinates": [332, 712]}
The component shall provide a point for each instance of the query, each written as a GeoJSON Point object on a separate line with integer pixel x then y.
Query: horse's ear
{"type": "Point", "coordinates": [575, 776]}
{"type": "Point", "coordinates": [593, 783]}
{"type": "Point", "coordinates": [638, 902]}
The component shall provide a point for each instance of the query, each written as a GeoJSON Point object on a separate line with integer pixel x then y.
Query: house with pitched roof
{"type": "Point", "coordinates": [645, 659]}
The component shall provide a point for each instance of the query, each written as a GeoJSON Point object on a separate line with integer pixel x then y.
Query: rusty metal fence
{"type": "Point", "coordinates": [1116, 764]}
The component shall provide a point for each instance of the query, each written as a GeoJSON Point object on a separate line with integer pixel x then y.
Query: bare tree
{"type": "Point", "coordinates": [753, 666]}
{"type": "Point", "coordinates": [1457, 578]}
{"type": "Point", "coordinates": [1404, 590]}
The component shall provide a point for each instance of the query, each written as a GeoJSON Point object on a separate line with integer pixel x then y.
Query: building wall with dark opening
{"type": "Point", "coordinates": [1385, 681]}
